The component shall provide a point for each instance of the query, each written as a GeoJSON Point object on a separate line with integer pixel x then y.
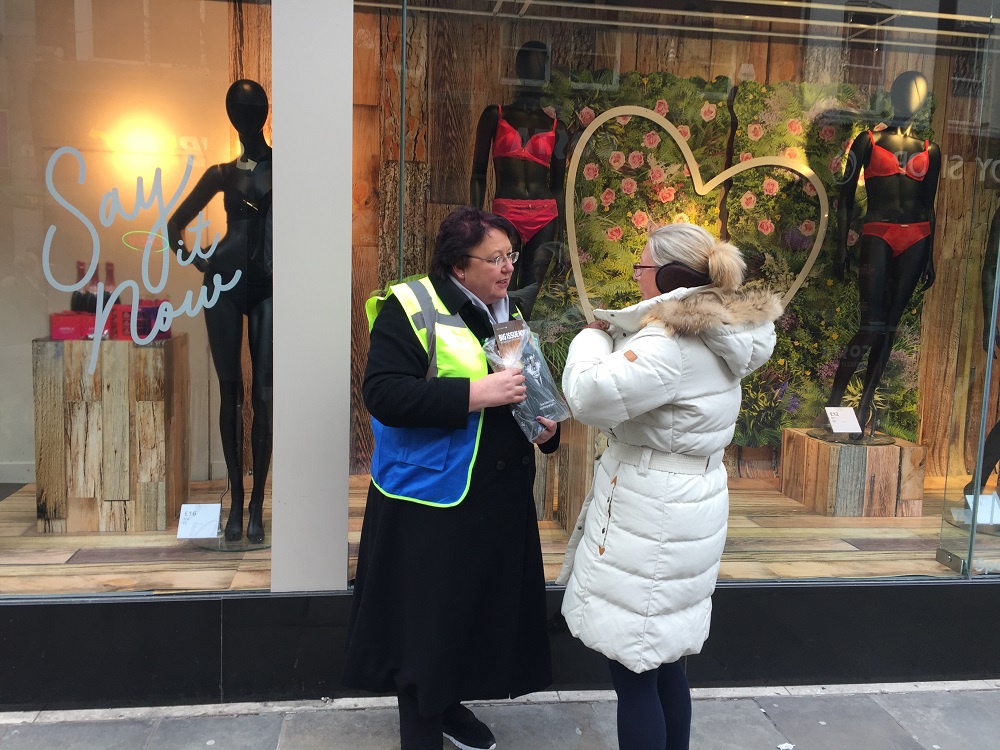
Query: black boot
{"type": "Point", "coordinates": [234, 526]}
{"type": "Point", "coordinates": [255, 526]}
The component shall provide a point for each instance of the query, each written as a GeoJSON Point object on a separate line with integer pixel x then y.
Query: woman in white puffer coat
{"type": "Point", "coordinates": [662, 380]}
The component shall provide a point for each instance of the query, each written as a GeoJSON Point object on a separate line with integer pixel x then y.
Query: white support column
{"type": "Point", "coordinates": [312, 118]}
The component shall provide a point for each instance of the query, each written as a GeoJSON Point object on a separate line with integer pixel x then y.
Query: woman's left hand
{"type": "Point", "coordinates": [550, 430]}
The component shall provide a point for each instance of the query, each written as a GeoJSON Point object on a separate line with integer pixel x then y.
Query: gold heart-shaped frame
{"type": "Point", "coordinates": [700, 187]}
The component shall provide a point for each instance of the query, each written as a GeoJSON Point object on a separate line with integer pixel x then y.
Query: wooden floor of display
{"type": "Point", "coordinates": [770, 536]}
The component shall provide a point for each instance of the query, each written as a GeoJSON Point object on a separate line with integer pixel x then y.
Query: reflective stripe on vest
{"type": "Point", "coordinates": [430, 465]}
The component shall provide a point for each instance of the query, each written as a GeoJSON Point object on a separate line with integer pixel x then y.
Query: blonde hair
{"type": "Point", "coordinates": [696, 247]}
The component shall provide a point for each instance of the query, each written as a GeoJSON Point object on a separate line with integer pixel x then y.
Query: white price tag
{"type": "Point", "coordinates": [199, 521]}
{"type": "Point", "coordinates": [988, 512]}
{"type": "Point", "coordinates": [842, 419]}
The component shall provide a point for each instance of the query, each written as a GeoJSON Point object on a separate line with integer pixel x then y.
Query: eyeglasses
{"type": "Point", "coordinates": [636, 267]}
{"type": "Point", "coordinates": [500, 259]}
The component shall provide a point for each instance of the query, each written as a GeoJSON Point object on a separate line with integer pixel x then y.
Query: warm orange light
{"type": "Point", "coordinates": [139, 144]}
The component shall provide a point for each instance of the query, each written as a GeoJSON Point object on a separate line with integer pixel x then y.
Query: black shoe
{"type": "Point", "coordinates": [465, 731]}
{"type": "Point", "coordinates": [234, 526]}
{"type": "Point", "coordinates": [255, 527]}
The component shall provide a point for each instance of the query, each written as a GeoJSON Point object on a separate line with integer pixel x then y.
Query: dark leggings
{"type": "Point", "coordinates": [654, 707]}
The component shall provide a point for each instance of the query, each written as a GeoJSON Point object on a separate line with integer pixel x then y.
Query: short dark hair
{"type": "Point", "coordinates": [462, 230]}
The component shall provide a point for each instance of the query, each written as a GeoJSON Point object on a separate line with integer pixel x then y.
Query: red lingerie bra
{"type": "Point", "coordinates": [883, 163]}
{"type": "Point", "coordinates": [507, 143]}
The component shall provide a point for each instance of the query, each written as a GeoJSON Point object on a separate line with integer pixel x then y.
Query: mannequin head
{"type": "Point", "coordinates": [246, 105]}
{"type": "Point", "coordinates": [531, 63]}
{"type": "Point", "coordinates": [908, 93]}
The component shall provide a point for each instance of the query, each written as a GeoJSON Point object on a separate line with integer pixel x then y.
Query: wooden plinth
{"type": "Point", "coordinates": [837, 479]}
{"type": "Point", "coordinates": [111, 448]}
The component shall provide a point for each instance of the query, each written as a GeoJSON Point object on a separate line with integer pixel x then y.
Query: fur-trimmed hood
{"type": "Point", "coordinates": [728, 323]}
{"type": "Point", "coordinates": [695, 314]}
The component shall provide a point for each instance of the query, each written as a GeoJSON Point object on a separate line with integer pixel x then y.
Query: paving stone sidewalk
{"type": "Point", "coordinates": [905, 716]}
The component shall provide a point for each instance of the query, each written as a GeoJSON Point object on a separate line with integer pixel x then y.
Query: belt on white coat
{"type": "Point", "coordinates": [646, 458]}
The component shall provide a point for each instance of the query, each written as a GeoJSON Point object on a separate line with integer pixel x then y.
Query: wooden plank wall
{"type": "Point", "coordinates": [456, 66]}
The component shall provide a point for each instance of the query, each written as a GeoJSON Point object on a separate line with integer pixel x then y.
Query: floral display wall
{"type": "Point", "coordinates": [633, 178]}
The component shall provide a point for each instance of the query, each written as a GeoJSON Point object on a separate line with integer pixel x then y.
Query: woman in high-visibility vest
{"type": "Point", "coordinates": [449, 598]}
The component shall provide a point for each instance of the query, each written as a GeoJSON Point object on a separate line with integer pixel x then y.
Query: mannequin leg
{"type": "Point", "coordinates": [259, 333]}
{"type": "Point", "coordinates": [532, 266]}
{"type": "Point", "coordinates": [991, 457]}
{"type": "Point", "coordinates": [873, 272]}
{"type": "Point", "coordinates": [905, 271]}
{"type": "Point", "coordinates": [224, 322]}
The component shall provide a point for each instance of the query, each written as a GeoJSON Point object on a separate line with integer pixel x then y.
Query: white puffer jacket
{"type": "Point", "coordinates": [644, 558]}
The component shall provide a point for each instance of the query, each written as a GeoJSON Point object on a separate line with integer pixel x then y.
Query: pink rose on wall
{"type": "Point", "coordinates": [835, 164]}
{"type": "Point", "coordinates": [708, 112]}
{"type": "Point", "coordinates": [640, 219]}
{"type": "Point", "coordinates": [587, 115]}
{"type": "Point", "coordinates": [852, 237]}
{"type": "Point", "coordinates": [590, 171]}
{"type": "Point", "coordinates": [809, 188]}
{"type": "Point", "coordinates": [661, 107]}
{"type": "Point", "coordinates": [746, 156]}
{"type": "Point", "coordinates": [656, 174]}
{"type": "Point", "coordinates": [608, 197]}
{"type": "Point", "coordinates": [623, 119]}
{"type": "Point", "coordinates": [791, 153]}
{"type": "Point", "coordinates": [765, 226]}
{"type": "Point", "coordinates": [770, 186]}
{"type": "Point", "coordinates": [681, 219]}
{"type": "Point", "coordinates": [616, 160]}
{"type": "Point", "coordinates": [588, 204]}
{"type": "Point", "coordinates": [807, 227]}
{"type": "Point", "coordinates": [666, 194]}
{"type": "Point", "coordinates": [687, 171]}
{"type": "Point", "coordinates": [614, 234]}
{"type": "Point", "coordinates": [794, 127]}
{"type": "Point", "coordinates": [748, 200]}
{"type": "Point", "coordinates": [685, 131]}
{"type": "Point", "coordinates": [636, 159]}
{"type": "Point", "coordinates": [550, 111]}
{"type": "Point", "coordinates": [651, 139]}
{"type": "Point", "coordinates": [755, 131]}
{"type": "Point", "coordinates": [629, 185]}
{"type": "Point", "coordinates": [827, 133]}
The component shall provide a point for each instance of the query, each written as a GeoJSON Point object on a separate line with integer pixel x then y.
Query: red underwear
{"type": "Point", "coordinates": [900, 237]}
{"type": "Point", "coordinates": [527, 216]}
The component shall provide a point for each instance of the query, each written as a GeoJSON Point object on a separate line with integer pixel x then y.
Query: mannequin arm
{"type": "Point", "coordinates": [208, 186]}
{"type": "Point", "coordinates": [857, 157]}
{"type": "Point", "coordinates": [927, 197]}
{"type": "Point", "coordinates": [485, 129]}
{"type": "Point", "coordinates": [557, 171]}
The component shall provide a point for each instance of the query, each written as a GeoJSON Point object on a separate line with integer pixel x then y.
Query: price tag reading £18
{"type": "Point", "coordinates": [199, 521]}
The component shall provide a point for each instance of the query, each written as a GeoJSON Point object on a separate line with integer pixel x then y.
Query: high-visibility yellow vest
{"type": "Point", "coordinates": [430, 465]}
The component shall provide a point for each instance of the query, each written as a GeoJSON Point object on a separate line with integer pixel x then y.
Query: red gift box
{"type": "Point", "coordinates": [68, 325]}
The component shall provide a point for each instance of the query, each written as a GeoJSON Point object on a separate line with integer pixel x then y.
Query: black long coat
{"type": "Point", "coordinates": [448, 602]}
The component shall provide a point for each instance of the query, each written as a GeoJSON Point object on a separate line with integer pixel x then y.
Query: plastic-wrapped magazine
{"type": "Point", "coordinates": [514, 345]}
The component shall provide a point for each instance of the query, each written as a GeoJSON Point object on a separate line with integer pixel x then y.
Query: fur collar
{"type": "Point", "coordinates": [696, 313]}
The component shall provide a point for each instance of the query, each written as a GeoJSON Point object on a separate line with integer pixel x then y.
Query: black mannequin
{"type": "Point", "coordinates": [246, 188]}
{"type": "Point", "coordinates": [991, 446]}
{"type": "Point", "coordinates": [519, 179]}
{"type": "Point", "coordinates": [887, 275]}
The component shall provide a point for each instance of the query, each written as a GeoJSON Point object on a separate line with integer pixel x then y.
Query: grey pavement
{"type": "Point", "coordinates": [897, 716]}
